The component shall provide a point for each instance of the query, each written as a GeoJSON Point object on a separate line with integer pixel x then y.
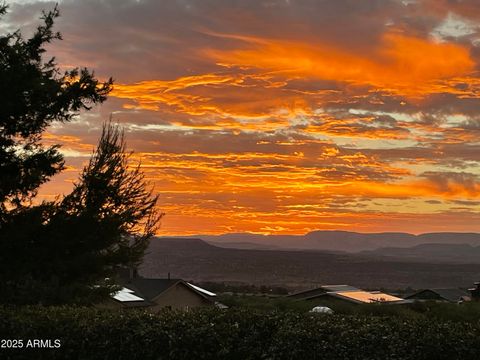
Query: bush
{"type": "Point", "coordinates": [264, 303]}
{"type": "Point", "coordinates": [87, 333]}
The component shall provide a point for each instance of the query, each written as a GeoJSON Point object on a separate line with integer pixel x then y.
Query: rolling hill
{"type": "Point", "coordinates": [196, 260]}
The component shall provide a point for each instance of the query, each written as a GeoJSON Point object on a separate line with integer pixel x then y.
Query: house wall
{"type": "Point", "coordinates": [179, 297]}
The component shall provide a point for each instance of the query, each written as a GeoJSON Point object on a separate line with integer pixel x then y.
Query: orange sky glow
{"type": "Point", "coordinates": [360, 116]}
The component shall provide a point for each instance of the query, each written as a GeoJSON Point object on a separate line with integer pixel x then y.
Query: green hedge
{"type": "Point", "coordinates": [234, 334]}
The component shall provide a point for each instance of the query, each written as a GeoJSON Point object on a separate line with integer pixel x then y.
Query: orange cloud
{"type": "Point", "coordinates": [401, 64]}
{"type": "Point", "coordinates": [253, 91]}
{"type": "Point", "coordinates": [70, 144]}
{"type": "Point", "coordinates": [255, 97]}
{"type": "Point", "coordinates": [284, 193]}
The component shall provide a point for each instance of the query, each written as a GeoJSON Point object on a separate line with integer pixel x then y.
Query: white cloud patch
{"type": "Point", "coordinates": [454, 26]}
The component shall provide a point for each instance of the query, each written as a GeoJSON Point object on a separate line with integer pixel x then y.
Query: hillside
{"type": "Point", "coordinates": [450, 253]}
{"type": "Point", "coordinates": [344, 240]}
{"type": "Point", "coordinates": [194, 259]}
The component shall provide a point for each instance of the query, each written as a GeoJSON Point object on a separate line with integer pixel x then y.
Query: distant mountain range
{"type": "Point", "coordinates": [435, 265]}
{"type": "Point", "coordinates": [343, 241]}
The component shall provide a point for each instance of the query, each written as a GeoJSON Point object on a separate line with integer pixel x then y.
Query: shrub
{"type": "Point", "coordinates": [88, 333]}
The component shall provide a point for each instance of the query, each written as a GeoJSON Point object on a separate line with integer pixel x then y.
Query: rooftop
{"type": "Point", "coordinates": [367, 297]}
{"type": "Point", "coordinates": [450, 294]}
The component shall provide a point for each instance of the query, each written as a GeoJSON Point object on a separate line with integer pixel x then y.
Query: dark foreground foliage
{"type": "Point", "coordinates": [437, 311]}
{"type": "Point", "coordinates": [87, 333]}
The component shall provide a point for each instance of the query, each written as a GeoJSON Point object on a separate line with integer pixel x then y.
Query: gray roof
{"type": "Point", "coordinates": [307, 293]}
{"type": "Point", "coordinates": [128, 298]}
{"type": "Point", "coordinates": [319, 291]}
{"type": "Point", "coordinates": [338, 288]}
{"type": "Point", "coordinates": [449, 294]}
{"type": "Point", "coordinates": [150, 288]}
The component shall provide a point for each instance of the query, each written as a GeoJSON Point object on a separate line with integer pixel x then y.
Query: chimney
{"type": "Point", "coordinates": [132, 272]}
{"type": "Point", "coordinates": [475, 292]}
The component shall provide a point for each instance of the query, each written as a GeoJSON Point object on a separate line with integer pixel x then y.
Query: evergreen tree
{"type": "Point", "coordinates": [61, 251]}
{"type": "Point", "coordinates": [33, 95]}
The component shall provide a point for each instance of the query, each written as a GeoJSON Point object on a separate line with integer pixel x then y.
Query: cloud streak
{"type": "Point", "coordinates": [330, 114]}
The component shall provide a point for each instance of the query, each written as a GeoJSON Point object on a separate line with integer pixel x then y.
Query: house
{"type": "Point", "coordinates": [346, 294]}
{"type": "Point", "coordinates": [441, 294]}
{"type": "Point", "coordinates": [475, 292]}
{"type": "Point", "coordinates": [156, 294]}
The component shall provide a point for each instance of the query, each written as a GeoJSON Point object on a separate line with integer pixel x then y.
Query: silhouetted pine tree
{"type": "Point", "coordinates": [61, 251]}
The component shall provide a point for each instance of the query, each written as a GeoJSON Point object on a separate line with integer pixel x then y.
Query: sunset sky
{"type": "Point", "coordinates": [283, 117]}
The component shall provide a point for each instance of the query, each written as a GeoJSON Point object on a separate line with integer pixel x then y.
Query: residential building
{"type": "Point", "coordinates": [156, 294]}
{"type": "Point", "coordinates": [454, 295]}
{"type": "Point", "coordinates": [344, 293]}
